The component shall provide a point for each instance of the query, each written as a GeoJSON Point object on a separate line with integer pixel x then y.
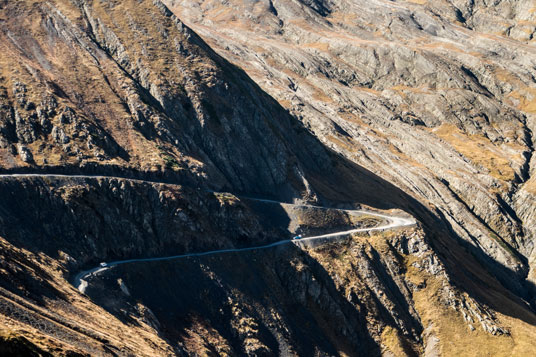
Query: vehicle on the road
{"type": "Point", "coordinates": [299, 236]}
{"type": "Point", "coordinates": [103, 264]}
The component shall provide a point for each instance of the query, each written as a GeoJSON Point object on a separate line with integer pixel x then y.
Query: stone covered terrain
{"type": "Point", "coordinates": [436, 97]}
{"type": "Point", "coordinates": [177, 111]}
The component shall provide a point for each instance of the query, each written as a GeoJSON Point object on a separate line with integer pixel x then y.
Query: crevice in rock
{"type": "Point", "coordinates": [476, 81]}
{"type": "Point", "coordinates": [497, 237]}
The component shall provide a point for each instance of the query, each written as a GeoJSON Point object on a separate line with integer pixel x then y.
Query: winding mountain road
{"type": "Point", "coordinates": [81, 283]}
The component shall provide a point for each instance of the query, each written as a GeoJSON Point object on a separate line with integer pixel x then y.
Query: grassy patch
{"type": "Point", "coordinates": [454, 334]}
{"type": "Point", "coordinates": [225, 197]}
{"type": "Point", "coordinates": [169, 161]}
{"type": "Point", "coordinates": [394, 343]}
{"type": "Point", "coordinates": [479, 150]}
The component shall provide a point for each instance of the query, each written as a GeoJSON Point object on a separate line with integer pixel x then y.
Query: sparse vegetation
{"type": "Point", "coordinates": [415, 105]}
{"type": "Point", "coordinates": [480, 151]}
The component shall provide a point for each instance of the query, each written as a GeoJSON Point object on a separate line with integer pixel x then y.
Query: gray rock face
{"type": "Point", "coordinates": [511, 18]}
{"type": "Point", "coordinates": [135, 215]}
{"type": "Point", "coordinates": [25, 153]}
{"type": "Point", "coordinates": [421, 106]}
{"type": "Point", "coordinates": [436, 98]}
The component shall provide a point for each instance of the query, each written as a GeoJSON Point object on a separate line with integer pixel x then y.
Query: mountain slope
{"type": "Point", "coordinates": [172, 140]}
{"type": "Point", "coordinates": [125, 84]}
{"type": "Point", "coordinates": [435, 97]}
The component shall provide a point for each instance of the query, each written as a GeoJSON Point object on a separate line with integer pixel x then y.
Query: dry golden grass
{"type": "Point", "coordinates": [344, 143]}
{"type": "Point", "coordinates": [321, 96]}
{"type": "Point", "coordinates": [227, 198]}
{"type": "Point", "coordinates": [343, 17]}
{"type": "Point", "coordinates": [407, 159]}
{"type": "Point", "coordinates": [418, 2]}
{"type": "Point", "coordinates": [445, 46]}
{"type": "Point", "coordinates": [418, 90]}
{"type": "Point", "coordinates": [321, 46]}
{"type": "Point", "coordinates": [526, 98]}
{"type": "Point", "coordinates": [352, 147]}
{"type": "Point", "coordinates": [456, 338]}
{"type": "Point", "coordinates": [285, 103]}
{"type": "Point", "coordinates": [368, 90]}
{"type": "Point", "coordinates": [17, 335]}
{"type": "Point", "coordinates": [75, 72]}
{"type": "Point", "coordinates": [199, 338]}
{"type": "Point", "coordinates": [393, 342]}
{"type": "Point", "coordinates": [530, 185]}
{"type": "Point", "coordinates": [479, 150]}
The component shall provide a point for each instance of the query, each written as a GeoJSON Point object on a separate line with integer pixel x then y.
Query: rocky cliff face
{"type": "Point", "coordinates": [434, 96]}
{"type": "Point", "coordinates": [426, 107]}
{"type": "Point", "coordinates": [126, 84]}
{"type": "Point", "coordinates": [375, 294]}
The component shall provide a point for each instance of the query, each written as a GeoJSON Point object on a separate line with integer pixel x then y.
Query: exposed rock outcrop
{"type": "Point", "coordinates": [425, 107]}
{"type": "Point", "coordinates": [435, 97]}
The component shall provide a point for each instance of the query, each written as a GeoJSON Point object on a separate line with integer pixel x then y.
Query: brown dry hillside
{"type": "Point", "coordinates": [127, 134]}
{"type": "Point", "coordinates": [436, 97]}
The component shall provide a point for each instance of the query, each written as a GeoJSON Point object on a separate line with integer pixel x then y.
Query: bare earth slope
{"type": "Point", "coordinates": [400, 106]}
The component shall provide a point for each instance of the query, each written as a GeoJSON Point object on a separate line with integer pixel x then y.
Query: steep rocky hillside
{"type": "Point", "coordinates": [436, 97]}
{"type": "Point", "coordinates": [55, 227]}
{"type": "Point", "coordinates": [125, 84]}
{"type": "Point", "coordinates": [159, 142]}
{"type": "Point", "coordinates": [388, 292]}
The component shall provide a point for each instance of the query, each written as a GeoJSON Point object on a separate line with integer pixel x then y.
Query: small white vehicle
{"type": "Point", "coordinates": [297, 237]}
{"type": "Point", "coordinates": [103, 264]}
